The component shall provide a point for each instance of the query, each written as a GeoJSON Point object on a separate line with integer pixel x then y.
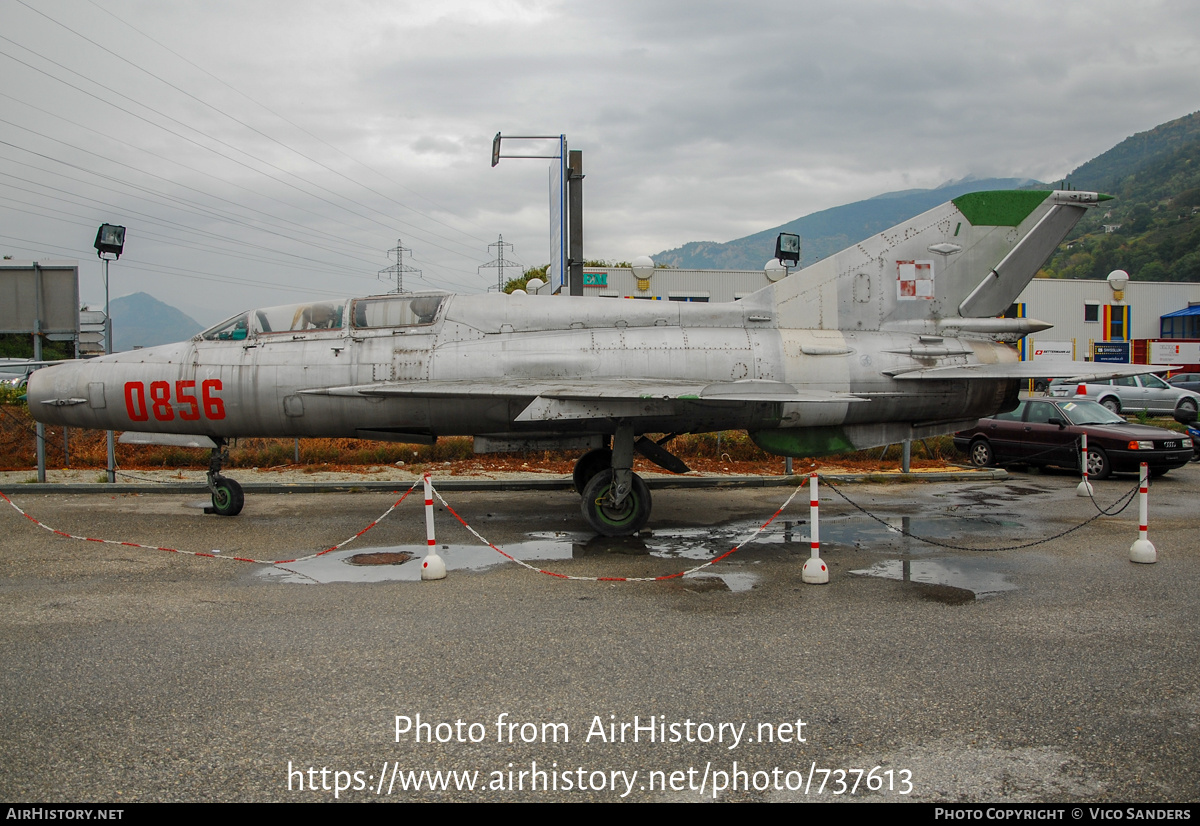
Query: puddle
{"type": "Point", "coordinates": [972, 577]}
{"type": "Point", "coordinates": [341, 567]}
{"type": "Point", "coordinates": [403, 563]}
{"type": "Point", "coordinates": [384, 564]}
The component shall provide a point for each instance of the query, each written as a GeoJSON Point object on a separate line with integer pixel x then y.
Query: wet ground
{"type": "Point", "coordinates": [988, 671]}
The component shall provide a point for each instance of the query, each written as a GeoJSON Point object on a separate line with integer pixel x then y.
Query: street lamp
{"type": "Point", "coordinates": [110, 239]}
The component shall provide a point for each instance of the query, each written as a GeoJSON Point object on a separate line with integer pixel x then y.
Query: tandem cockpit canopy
{"type": "Point", "coordinates": [362, 313]}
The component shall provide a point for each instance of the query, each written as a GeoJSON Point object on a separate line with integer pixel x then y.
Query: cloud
{"type": "Point", "coordinates": [330, 135]}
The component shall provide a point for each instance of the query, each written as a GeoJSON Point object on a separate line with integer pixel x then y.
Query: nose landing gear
{"type": "Point", "coordinates": [227, 495]}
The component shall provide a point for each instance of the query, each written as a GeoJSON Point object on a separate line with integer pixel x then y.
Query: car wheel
{"type": "Point", "coordinates": [981, 453]}
{"type": "Point", "coordinates": [1098, 465]}
{"type": "Point", "coordinates": [1112, 404]}
{"type": "Point", "coordinates": [626, 520]}
{"type": "Point", "coordinates": [1186, 406]}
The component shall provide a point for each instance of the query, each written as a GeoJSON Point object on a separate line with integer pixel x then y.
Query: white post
{"type": "Point", "coordinates": [434, 567]}
{"type": "Point", "coordinates": [815, 571]}
{"type": "Point", "coordinates": [1085, 487]}
{"type": "Point", "coordinates": [1142, 550]}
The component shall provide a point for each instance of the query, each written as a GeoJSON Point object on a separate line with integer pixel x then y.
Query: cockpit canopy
{"type": "Point", "coordinates": [375, 312]}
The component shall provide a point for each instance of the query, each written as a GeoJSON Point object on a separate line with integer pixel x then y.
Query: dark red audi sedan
{"type": "Point", "coordinates": [1047, 431]}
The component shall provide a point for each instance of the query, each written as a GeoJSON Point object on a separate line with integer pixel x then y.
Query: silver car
{"type": "Point", "coordinates": [1132, 394]}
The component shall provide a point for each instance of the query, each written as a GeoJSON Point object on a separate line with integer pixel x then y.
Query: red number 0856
{"type": "Point", "coordinates": [187, 406]}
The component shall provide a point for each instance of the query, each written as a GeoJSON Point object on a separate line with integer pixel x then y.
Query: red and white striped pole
{"type": "Point", "coordinates": [1142, 550]}
{"type": "Point", "coordinates": [1085, 487]}
{"type": "Point", "coordinates": [815, 571]}
{"type": "Point", "coordinates": [434, 567]}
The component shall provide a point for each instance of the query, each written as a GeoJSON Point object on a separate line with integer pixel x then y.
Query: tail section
{"type": "Point", "coordinates": [966, 259]}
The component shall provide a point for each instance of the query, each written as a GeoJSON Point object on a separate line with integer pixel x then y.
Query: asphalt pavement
{"type": "Point", "coordinates": [1055, 672]}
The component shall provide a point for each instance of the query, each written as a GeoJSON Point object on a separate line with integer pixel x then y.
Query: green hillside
{"type": "Point", "coordinates": [1152, 230]}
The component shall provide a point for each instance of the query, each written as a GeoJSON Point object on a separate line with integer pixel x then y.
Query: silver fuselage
{"type": "Point", "coordinates": [278, 384]}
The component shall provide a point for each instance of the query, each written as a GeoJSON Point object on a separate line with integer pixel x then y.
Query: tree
{"type": "Point", "coordinates": [519, 283]}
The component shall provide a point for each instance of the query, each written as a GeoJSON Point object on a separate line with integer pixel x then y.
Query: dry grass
{"type": "Point", "coordinates": [729, 452]}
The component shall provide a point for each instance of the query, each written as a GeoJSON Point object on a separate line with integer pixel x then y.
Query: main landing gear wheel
{"type": "Point", "coordinates": [227, 497]}
{"type": "Point", "coordinates": [589, 464]}
{"type": "Point", "coordinates": [627, 518]}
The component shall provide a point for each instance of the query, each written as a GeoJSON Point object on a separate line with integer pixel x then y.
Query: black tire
{"type": "Point", "coordinates": [588, 465]}
{"type": "Point", "coordinates": [629, 519]}
{"type": "Point", "coordinates": [1098, 465]}
{"type": "Point", "coordinates": [1186, 406]}
{"type": "Point", "coordinates": [981, 453]}
{"type": "Point", "coordinates": [227, 498]}
{"type": "Point", "coordinates": [1113, 405]}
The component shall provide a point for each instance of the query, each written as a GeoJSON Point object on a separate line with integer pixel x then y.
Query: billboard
{"type": "Point", "coordinates": [1052, 350]}
{"type": "Point", "coordinates": [1110, 352]}
{"type": "Point", "coordinates": [40, 297]}
{"type": "Point", "coordinates": [1175, 352]}
{"type": "Point", "coordinates": [558, 217]}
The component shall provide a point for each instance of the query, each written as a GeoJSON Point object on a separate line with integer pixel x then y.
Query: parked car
{"type": "Point", "coordinates": [1047, 432]}
{"type": "Point", "coordinates": [1188, 381]}
{"type": "Point", "coordinates": [1131, 394]}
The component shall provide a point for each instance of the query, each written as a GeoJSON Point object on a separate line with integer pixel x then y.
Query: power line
{"type": "Point", "coordinates": [218, 140]}
{"type": "Point", "coordinates": [293, 124]}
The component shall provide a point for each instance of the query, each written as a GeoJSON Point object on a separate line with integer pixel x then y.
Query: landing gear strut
{"type": "Point", "coordinates": [616, 502]}
{"type": "Point", "coordinates": [227, 496]}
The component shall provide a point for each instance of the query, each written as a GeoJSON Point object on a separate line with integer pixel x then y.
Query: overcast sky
{"type": "Point", "coordinates": [263, 152]}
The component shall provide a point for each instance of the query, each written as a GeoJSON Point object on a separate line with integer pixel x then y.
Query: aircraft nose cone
{"type": "Point", "coordinates": [49, 391]}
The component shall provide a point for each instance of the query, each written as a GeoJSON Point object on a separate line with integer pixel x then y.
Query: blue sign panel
{"type": "Point", "coordinates": [1110, 352]}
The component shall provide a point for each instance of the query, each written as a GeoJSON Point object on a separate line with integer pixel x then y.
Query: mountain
{"type": "Point", "coordinates": [141, 320]}
{"type": "Point", "coordinates": [1105, 172]}
{"type": "Point", "coordinates": [1152, 229]}
{"type": "Point", "coordinates": [829, 231]}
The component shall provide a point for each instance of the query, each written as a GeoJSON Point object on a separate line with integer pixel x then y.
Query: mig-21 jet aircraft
{"type": "Point", "coordinates": [897, 337]}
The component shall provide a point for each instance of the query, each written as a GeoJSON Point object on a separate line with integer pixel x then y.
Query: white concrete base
{"type": "Point", "coordinates": [815, 572]}
{"type": "Point", "coordinates": [434, 567]}
{"type": "Point", "coordinates": [1143, 551]}
{"type": "Point", "coordinates": [1084, 488]}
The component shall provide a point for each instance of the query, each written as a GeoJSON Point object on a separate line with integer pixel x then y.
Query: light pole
{"type": "Point", "coordinates": [109, 239]}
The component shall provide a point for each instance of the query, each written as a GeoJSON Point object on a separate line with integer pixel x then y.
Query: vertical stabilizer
{"type": "Point", "coordinates": [968, 258]}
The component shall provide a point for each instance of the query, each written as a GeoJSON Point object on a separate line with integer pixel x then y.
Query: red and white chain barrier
{"type": "Point", "coordinates": [749, 538]}
{"type": "Point", "coordinates": [216, 554]}
{"type": "Point", "coordinates": [1142, 550]}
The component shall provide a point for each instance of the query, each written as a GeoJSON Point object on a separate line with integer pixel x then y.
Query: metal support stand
{"type": "Point", "coordinates": [575, 216]}
{"type": "Point", "coordinates": [108, 348]}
